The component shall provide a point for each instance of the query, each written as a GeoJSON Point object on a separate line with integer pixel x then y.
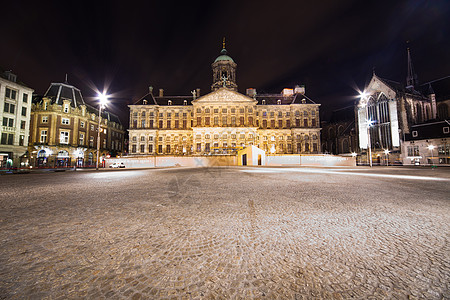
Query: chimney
{"type": "Point", "coordinates": [251, 92]}
{"type": "Point", "coordinates": [150, 90]}
{"type": "Point", "coordinates": [198, 92]}
{"type": "Point", "coordinates": [161, 92]}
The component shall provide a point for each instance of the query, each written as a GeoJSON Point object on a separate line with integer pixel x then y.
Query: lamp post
{"type": "Point", "coordinates": [103, 100]}
{"type": "Point", "coordinates": [386, 152]}
{"type": "Point", "coordinates": [431, 147]}
{"type": "Point", "coordinates": [364, 101]}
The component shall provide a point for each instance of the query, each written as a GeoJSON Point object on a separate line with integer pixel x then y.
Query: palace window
{"type": "Point", "coordinates": [81, 124]}
{"type": "Point", "coordinates": [91, 141]}
{"type": "Point", "coordinates": [24, 111]}
{"type": "Point", "coordinates": [44, 119]}
{"type": "Point", "coordinates": [65, 121]}
{"type": "Point", "coordinates": [305, 123]}
{"type": "Point", "coordinates": [81, 139]}
{"type": "Point", "coordinates": [250, 121]}
{"type": "Point", "coordinates": [143, 147]}
{"type": "Point", "coordinates": [280, 123]}
{"type": "Point", "coordinates": [233, 110]}
{"type": "Point", "coordinates": [150, 148]}
{"type": "Point", "coordinates": [66, 108]}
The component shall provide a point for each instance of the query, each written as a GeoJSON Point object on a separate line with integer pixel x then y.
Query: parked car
{"type": "Point", "coordinates": [117, 165]}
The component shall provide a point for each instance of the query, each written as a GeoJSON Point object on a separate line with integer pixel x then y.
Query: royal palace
{"type": "Point", "coordinates": [224, 120]}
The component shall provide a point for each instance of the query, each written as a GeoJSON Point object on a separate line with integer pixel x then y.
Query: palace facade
{"type": "Point", "coordinates": [224, 120]}
{"type": "Point", "coordinates": [63, 130]}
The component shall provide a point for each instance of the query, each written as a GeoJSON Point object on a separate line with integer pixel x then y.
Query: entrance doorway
{"type": "Point", "coordinates": [244, 159]}
{"type": "Point", "coordinates": [259, 160]}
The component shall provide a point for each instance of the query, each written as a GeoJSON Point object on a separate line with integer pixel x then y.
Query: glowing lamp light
{"type": "Point", "coordinates": [386, 151]}
{"type": "Point", "coordinates": [103, 98]}
{"type": "Point", "coordinates": [363, 95]}
{"type": "Point", "coordinates": [354, 154]}
{"type": "Point", "coordinates": [431, 147]}
{"type": "Point", "coordinates": [370, 123]}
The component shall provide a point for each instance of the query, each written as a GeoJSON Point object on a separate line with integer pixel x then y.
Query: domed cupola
{"type": "Point", "coordinates": [224, 71]}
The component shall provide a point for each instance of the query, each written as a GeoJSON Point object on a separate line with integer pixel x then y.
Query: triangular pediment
{"type": "Point", "coordinates": [377, 85]}
{"type": "Point", "coordinates": [224, 95]}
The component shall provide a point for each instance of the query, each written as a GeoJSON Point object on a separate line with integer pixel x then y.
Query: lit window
{"type": "Point", "coordinates": [82, 124]}
{"type": "Point", "coordinates": [44, 119]}
{"type": "Point", "coordinates": [65, 121]}
{"type": "Point", "coordinates": [43, 136]}
{"type": "Point", "coordinates": [66, 108]}
{"type": "Point", "coordinates": [64, 137]}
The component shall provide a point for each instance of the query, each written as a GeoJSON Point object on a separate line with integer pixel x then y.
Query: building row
{"type": "Point", "coordinates": [55, 130]}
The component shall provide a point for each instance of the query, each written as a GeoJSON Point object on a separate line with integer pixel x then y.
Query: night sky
{"type": "Point", "coordinates": [331, 47]}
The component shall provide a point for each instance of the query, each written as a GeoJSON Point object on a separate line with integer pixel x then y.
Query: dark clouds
{"type": "Point", "coordinates": [326, 45]}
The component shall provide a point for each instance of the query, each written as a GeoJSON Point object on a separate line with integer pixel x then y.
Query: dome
{"type": "Point", "coordinates": [224, 56]}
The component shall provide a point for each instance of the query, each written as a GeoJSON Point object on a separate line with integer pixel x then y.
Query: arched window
{"type": "Point", "coordinates": [345, 147]}
{"type": "Point", "coordinates": [42, 153]}
{"type": "Point", "coordinates": [419, 113]}
{"type": "Point", "coordinates": [340, 130]}
{"type": "Point", "coordinates": [442, 111]}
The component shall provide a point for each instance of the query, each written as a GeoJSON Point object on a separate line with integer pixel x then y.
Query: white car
{"type": "Point", "coordinates": [117, 165]}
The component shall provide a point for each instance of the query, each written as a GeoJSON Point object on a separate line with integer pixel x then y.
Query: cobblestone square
{"type": "Point", "coordinates": [226, 233]}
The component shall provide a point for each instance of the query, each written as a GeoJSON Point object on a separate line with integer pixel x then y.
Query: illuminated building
{"type": "Point", "coordinates": [15, 108]}
{"type": "Point", "coordinates": [63, 130]}
{"type": "Point", "coordinates": [393, 109]}
{"type": "Point", "coordinates": [224, 120]}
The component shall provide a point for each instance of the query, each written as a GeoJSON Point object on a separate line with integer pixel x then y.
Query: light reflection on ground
{"type": "Point", "coordinates": [346, 172]}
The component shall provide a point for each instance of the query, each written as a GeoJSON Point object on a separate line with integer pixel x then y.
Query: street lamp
{"type": "Point", "coordinates": [364, 101]}
{"type": "Point", "coordinates": [103, 100]}
{"type": "Point", "coordinates": [431, 147]}
{"type": "Point", "coordinates": [386, 152]}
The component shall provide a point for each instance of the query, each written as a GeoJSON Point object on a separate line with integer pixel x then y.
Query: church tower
{"type": "Point", "coordinates": [224, 71]}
